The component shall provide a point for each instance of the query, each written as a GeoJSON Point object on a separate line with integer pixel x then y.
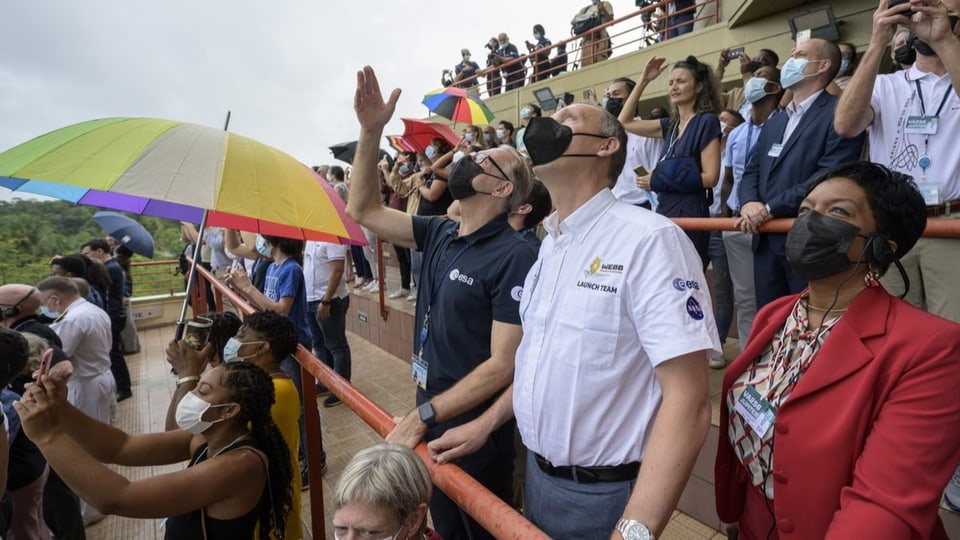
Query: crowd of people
{"type": "Point", "coordinates": [563, 325]}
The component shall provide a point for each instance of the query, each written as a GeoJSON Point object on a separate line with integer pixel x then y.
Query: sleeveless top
{"type": "Point", "coordinates": [187, 526]}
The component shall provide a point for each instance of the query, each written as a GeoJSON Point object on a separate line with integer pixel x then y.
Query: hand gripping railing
{"type": "Point", "coordinates": [486, 508]}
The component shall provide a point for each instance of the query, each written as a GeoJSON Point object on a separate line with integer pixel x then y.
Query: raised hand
{"type": "Point", "coordinates": [372, 111]}
{"type": "Point", "coordinates": [655, 66]}
{"type": "Point", "coordinates": [39, 408]}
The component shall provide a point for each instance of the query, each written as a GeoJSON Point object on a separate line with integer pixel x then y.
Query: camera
{"type": "Point", "coordinates": [490, 46]}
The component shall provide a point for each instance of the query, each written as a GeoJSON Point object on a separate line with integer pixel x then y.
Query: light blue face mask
{"type": "Point", "coordinates": [524, 113]}
{"type": "Point", "coordinates": [430, 152]}
{"type": "Point", "coordinates": [792, 72]}
{"type": "Point", "coordinates": [844, 66]}
{"type": "Point", "coordinates": [404, 169]}
{"type": "Point", "coordinates": [48, 313]}
{"type": "Point", "coordinates": [231, 351]}
{"type": "Point", "coordinates": [755, 89]}
{"type": "Point", "coordinates": [262, 247]}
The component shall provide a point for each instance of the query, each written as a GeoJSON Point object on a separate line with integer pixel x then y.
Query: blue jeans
{"type": "Point", "coordinates": [722, 286]}
{"type": "Point", "coordinates": [565, 509]}
{"type": "Point", "coordinates": [679, 19]}
{"type": "Point", "coordinates": [330, 336]}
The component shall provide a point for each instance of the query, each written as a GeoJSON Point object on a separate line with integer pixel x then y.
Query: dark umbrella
{"type": "Point", "coordinates": [127, 231]}
{"type": "Point", "coordinates": [345, 152]}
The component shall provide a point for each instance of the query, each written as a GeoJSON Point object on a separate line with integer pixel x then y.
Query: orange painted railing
{"type": "Point", "coordinates": [936, 228]}
{"type": "Point", "coordinates": [486, 508]}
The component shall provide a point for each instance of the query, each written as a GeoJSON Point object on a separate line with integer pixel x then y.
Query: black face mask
{"type": "Point", "coordinates": [817, 246]}
{"type": "Point", "coordinates": [614, 105]}
{"type": "Point", "coordinates": [546, 140]}
{"type": "Point", "coordinates": [460, 180]}
{"type": "Point", "coordinates": [923, 48]}
{"type": "Point", "coordinates": [905, 55]}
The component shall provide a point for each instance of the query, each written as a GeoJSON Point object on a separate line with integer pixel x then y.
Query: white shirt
{"type": "Point", "coordinates": [795, 111]}
{"type": "Point", "coordinates": [213, 237]}
{"type": "Point", "coordinates": [894, 100]}
{"type": "Point", "coordinates": [616, 291]}
{"type": "Point", "coordinates": [316, 269]}
{"type": "Point", "coordinates": [641, 152]}
{"type": "Point", "coordinates": [84, 330]}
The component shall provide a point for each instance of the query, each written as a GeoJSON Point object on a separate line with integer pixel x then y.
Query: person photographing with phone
{"type": "Point", "coordinates": [466, 72]}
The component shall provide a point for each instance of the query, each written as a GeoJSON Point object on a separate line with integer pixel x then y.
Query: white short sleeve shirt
{"type": "Point", "coordinates": [616, 291]}
{"type": "Point", "coordinates": [317, 257]}
{"type": "Point", "coordinates": [641, 152]}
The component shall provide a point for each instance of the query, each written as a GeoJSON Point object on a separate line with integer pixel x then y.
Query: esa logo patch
{"type": "Point", "coordinates": [694, 309]}
{"type": "Point", "coordinates": [455, 275]}
{"type": "Point", "coordinates": [681, 284]}
{"type": "Point", "coordinates": [516, 293]}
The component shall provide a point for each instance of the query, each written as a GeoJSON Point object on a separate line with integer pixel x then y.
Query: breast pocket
{"type": "Point", "coordinates": [588, 333]}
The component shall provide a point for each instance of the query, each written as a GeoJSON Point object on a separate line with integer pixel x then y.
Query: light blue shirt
{"type": "Point", "coordinates": [740, 142]}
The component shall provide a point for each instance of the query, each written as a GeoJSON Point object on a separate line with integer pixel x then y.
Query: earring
{"type": "Point", "coordinates": [871, 278]}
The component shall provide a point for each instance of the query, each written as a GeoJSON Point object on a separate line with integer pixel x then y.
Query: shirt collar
{"type": "Point", "coordinates": [488, 229]}
{"type": "Point", "coordinates": [582, 219]}
{"type": "Point", "coordinates": [914, 74]}
{"type": "Point", "coordinates": [794, 109]}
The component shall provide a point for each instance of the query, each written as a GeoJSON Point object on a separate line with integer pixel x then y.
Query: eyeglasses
{"type": "Point", "coordinates": [480, 157]}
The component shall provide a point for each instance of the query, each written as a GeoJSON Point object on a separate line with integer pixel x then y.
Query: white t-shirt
{"type": "Point", "coordinates": [894, 100]}
{"type": "Point", "coordinates": [84, 330]}
{"type": "Point", "coordinates": [317, 257]}
{"type": "Point", "coordinates": [616, 291]}
{"type": "Point", "coordinates": [641, 152]}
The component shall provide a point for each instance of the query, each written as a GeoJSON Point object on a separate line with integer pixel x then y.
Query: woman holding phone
{"type": "Point", "coordinates": [239, 471]}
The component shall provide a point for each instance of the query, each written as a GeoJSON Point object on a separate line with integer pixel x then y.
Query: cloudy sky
{"type": "Point", "coordinates": [285, 68]}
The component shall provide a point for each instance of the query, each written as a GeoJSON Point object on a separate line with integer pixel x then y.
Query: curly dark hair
{"type": "Point", "coordinates": [225, 326]}
{"type": "Point", "coordinates": [276, 329]}
{"type": "Point", "coordinates": [708, 99]}
{"type": "Point", "coordinates": [252, 388]}
{"type": "Point", "coordinates": [898, 208]}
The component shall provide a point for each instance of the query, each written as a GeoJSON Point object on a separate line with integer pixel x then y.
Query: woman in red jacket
{"type": "Point", "coordinates": [839, 419]}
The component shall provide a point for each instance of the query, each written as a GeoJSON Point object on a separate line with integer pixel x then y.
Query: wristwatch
{"type": "Point", "coordinates": [632, 529]}
{"type": "Point", "coordinates": [427, 415]}
{"type": "Point", "coordinates": [326, 302]}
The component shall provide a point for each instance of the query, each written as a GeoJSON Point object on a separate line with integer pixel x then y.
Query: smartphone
{"type": "Point", "coordinates": [894, 3]}
{"type": "Point", "coordinates": [640, 171]}
{"type": "Point", "coordinates": [735, 52]}
{"type": "Point", "coordinates": [44, 363]}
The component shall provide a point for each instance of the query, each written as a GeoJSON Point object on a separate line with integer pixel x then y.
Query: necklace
{"type": "Point", "coordinates": [811, 306]}
{"type": "Point", "coordinates": [220, 451]}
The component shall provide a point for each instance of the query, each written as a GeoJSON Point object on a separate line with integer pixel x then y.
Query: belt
{"type": "Point", "coordinates": [589, 475]}
{"type": "Point", "coordinates": [946, 208]}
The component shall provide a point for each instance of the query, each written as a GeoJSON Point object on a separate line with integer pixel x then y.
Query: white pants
{"type": "Point", "coordinates": [96, 396]}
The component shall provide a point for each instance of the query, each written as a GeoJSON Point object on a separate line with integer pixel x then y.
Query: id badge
{"type": "Point", "coordinates": [419, 370]}
{"type": "Point", "coordinates": [775, 150]}
{"type": "Point", "coordinates": [930, 193]}
{"type": "Point", "coordinates": [922, 125]}
{"type": "Point", "coordinates": [755, 411]}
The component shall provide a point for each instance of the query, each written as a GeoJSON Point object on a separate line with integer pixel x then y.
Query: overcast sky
{"type": "Point", "coordinates": [285, 68]}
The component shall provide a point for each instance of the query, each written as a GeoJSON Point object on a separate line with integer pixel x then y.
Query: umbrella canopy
{"type": "Point", "coordinates": [400, 145]}
{"type": "Point", "coordinates": [457, 105]}
{"type": "Point", "coordinates": [180, 171]}
{"type": "Point", "coordinates": [420, 133]}
{"type": "Point", "coordinates": [346, 151]}
{"type": "Point", "coordinates": [127, 231]}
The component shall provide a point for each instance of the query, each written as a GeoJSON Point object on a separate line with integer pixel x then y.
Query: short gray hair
{"type": "Point", "coordinates": [611, 127]}
{"type": "Point", "coordinates": [386, 476]}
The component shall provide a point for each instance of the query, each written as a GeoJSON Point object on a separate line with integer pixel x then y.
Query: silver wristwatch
{"type": "Point", "coordinates": [632, 529]}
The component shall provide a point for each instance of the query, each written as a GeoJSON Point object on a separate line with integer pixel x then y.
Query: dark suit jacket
{"type": "Point", "coordinates": [868, 439]}
{"type": "Point", "coordinates": [813, 148]}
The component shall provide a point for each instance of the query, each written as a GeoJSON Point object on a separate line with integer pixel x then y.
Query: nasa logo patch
{"type": "Point", "coordinates": [694, 309]}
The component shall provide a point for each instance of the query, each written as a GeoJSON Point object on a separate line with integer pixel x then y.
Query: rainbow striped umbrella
{"type": "Point", "coordinates": [180, 171]}
{"type": "Point", "coordinates": [457, 105]}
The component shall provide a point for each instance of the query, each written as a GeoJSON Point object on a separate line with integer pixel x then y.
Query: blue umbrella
{"type": "Point", "coordinates": [127, 231]}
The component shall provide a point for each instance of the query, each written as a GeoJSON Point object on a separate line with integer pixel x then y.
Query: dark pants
{"type": "Point", "coordinates": [722, 285]}
{"type": "Point", "coordinates": [682, 21]}
{"type": "Point", "coordinates": [360, 263]}
{"type": "Point", "coordinates": [118, 365]}
{"type": "Point", "coordinates": [688, 205]}
{"type": "Point", "coordinates": [403, 259]}
{"type": "Point", "coordinates": [515, 79]}
{"type": "Point", "coordinates": [330, 336]}
{"type": "Point", "coordinates": [61, 509]}
{"type": "Point", "coordinates": [772, 275]}
{"type": "Point", "coordinates": [494, 82]}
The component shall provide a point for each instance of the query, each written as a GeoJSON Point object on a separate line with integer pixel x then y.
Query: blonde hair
{"type": "Point", "coordinates": [386, 476]}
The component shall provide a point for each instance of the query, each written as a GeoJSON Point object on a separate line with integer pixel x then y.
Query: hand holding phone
{"type": "Point", "coordinates": [44, 364]}
{"type": "Point", "coordinates": [735, 52]}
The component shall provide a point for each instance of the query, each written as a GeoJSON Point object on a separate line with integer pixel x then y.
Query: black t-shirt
{"type": "Point", "coordinates": [437, 207]}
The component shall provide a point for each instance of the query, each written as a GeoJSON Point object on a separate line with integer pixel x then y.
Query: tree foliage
{"type": "Point", "coordinates": [32, 232]}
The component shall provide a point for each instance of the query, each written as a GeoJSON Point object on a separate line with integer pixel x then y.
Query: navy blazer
{"type": "Point", "coordinates": [813, 148]}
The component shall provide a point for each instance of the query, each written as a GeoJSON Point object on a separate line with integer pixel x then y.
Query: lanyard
{"type": "Point", "coordinates": [943, 101]}
{"type": "Point", "coordinates": [437, 282]}
{"type": "Point", "coordinates": [925, 160]}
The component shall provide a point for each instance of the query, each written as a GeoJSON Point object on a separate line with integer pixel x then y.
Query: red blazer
{"type": "Point", "coordinates": [871, 434]}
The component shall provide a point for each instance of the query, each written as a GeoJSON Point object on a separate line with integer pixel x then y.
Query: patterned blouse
{"type": "Point", "coordinates": [773, 376]}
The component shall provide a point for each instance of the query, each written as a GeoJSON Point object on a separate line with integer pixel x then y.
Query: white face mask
{"type": "Point", "coordinates": [231, 351]}
{"type": "Point", "coordinates": [394, 536]}
{"type": "Point", "coordinates": [190, 412]}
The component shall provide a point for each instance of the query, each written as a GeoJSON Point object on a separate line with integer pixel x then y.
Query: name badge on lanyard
{"type": "Point", "coordinates": [775, 150]}
{"type": "Point", "coordinates": [922, 125]}
{"type": "Point", "coordinates": [755, 411]}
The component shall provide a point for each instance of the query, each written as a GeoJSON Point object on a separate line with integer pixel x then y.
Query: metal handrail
{"type": "Point", "coordinates": [486, 508]}
{"type": "Point", "coordinates": [936, 228]}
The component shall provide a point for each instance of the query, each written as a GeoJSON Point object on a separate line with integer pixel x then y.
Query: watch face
{"type": "Point", "coordinates": [637, 531]}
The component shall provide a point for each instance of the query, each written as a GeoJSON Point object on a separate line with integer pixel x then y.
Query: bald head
{"type": "Point", "coordinates": [24, 297]}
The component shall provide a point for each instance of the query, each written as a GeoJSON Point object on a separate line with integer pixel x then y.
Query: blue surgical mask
{"type": "Point", "coordinates": [404, 169]}
{"type": "Point", "coordinates": [538, 37]}
{"type": "Point", "coordinates": [524, 113]}
{"type": "Point", "coordinates": [501, 133]}
{"type": "Point", "coordinates": [231, 351]}
{"type": "Point", "coordinates": [468, 136]}
{"type": "Point", "coordinates": [49, 313]}
{"type": "Point", "coordinates": [755, 89]}
{"type": "Point", "coordinates": [604, 101]}
{"type": "Point", "coordinates": [487, 137]}
{"type": "Point", "coordinates": [792, 72]}
{"type": "Point", "coordinates": [262, 247]}
{"type": "Point", "coordinates": [430, 152]}
{"type": "Point", "coordinates": [466, 58]}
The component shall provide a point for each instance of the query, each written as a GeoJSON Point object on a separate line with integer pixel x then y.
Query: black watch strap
{"type": "Point", "coordinates": [427, 414]}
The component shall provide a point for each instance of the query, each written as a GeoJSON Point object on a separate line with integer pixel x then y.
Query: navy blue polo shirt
{"type": "Point", "coordinates": [468, 282]}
